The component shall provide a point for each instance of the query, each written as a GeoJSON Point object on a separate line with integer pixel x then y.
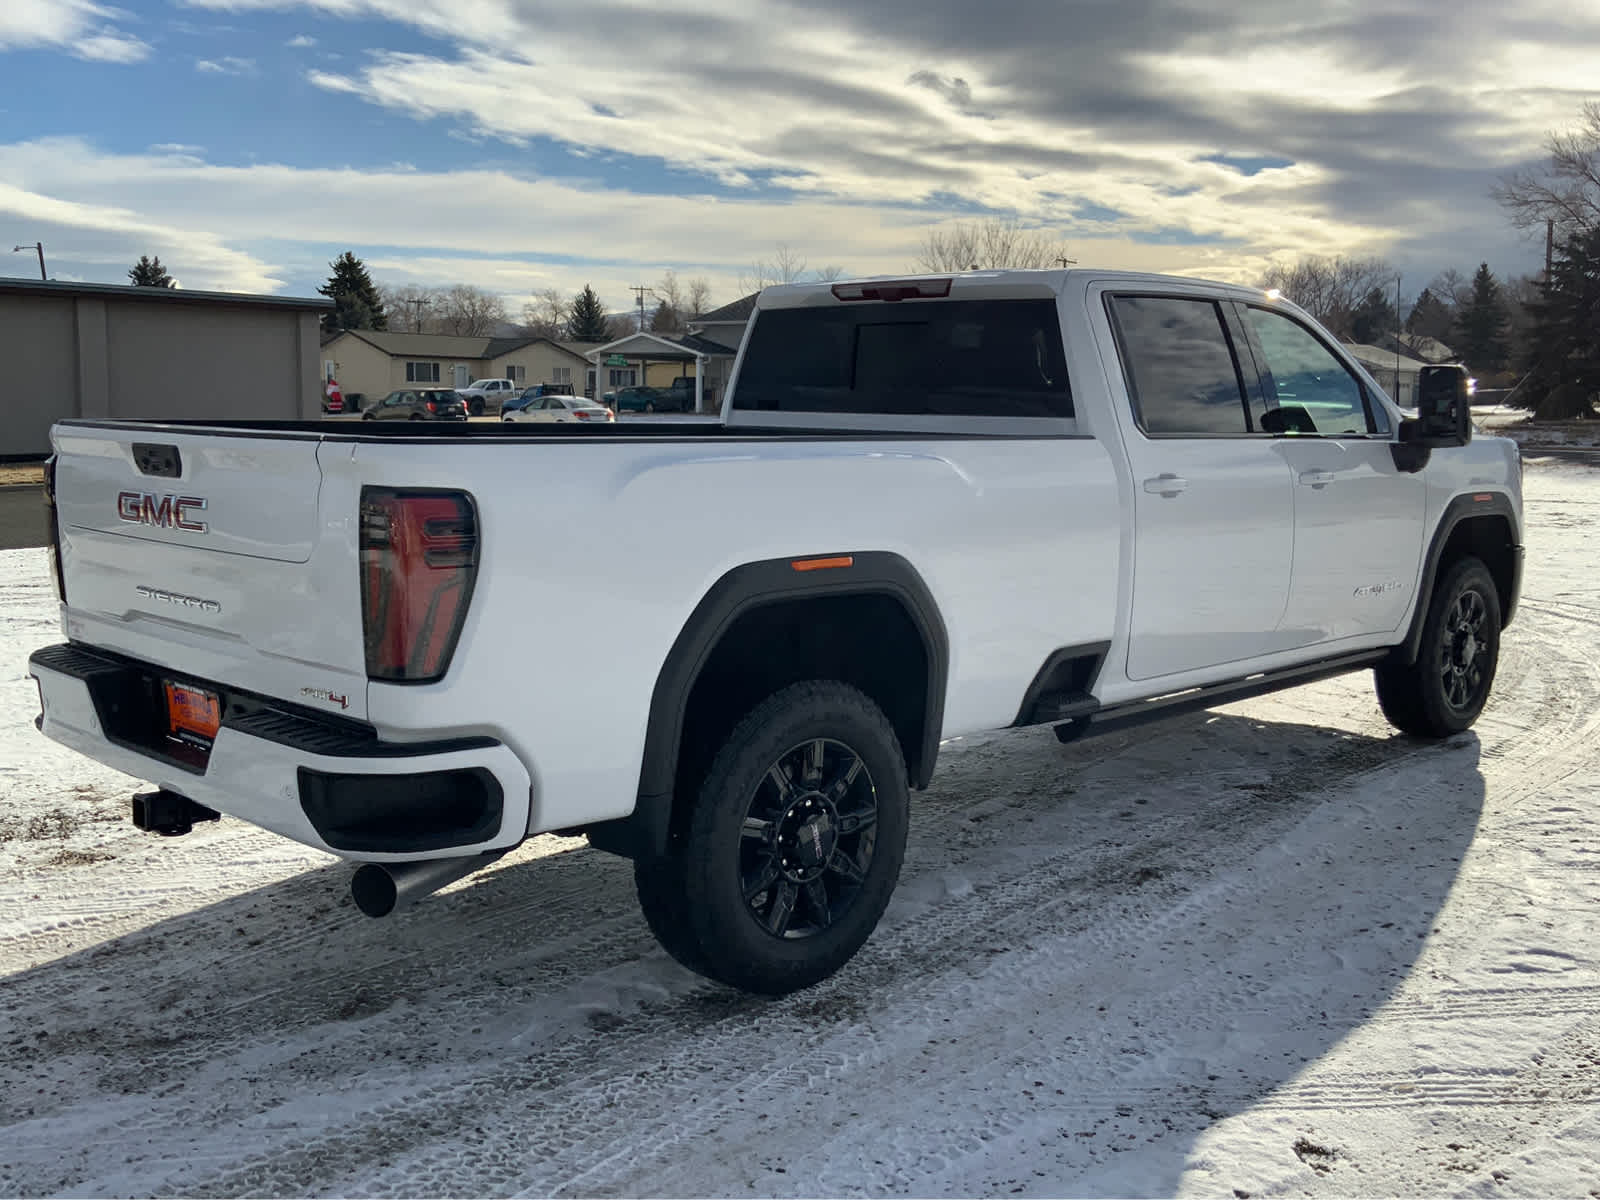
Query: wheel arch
{"type": "Point", "coordinates": [758, 600]}
{"type": "Point", "coordinates": [1482, 524]}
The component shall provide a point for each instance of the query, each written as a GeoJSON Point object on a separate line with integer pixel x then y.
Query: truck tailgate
{"type": "Point", "coordinates": [219, 557]}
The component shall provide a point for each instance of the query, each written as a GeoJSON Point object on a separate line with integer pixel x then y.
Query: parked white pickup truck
{"type": "Point", "coordinates": [488, 395]}
{"type": "Point", "coordinates": [932, 506]}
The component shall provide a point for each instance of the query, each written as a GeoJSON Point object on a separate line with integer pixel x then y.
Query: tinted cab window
{"type": "Point", "coordinates": [991, 358]}
{"type": "Point", "coordinates": [1180, 366]}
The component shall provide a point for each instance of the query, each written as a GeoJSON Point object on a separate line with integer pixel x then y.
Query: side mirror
{"type": "Point", "coordinates": [1444, 401]}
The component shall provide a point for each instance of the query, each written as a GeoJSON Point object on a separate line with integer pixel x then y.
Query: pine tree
{"type": "Point", "coordinates": [356, 300]}
{"type": "Point", "coordinates": [587, 321]}
{"type": "Point", "coordinates": [1565, 349]}
{"type": "Point", "coordinates": [665, 319]}
{"type": "Point", "coordinates": [148, 272]}
{"type": "Point", "coordinates": [1374, 318]}
{"type": "Point", "coordinates": [1481, 324]}
{"type": "Point", "coordinates": [1430, 317]}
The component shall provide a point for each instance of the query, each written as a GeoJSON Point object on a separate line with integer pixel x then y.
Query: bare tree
{"type": "Point", "coordinates": [1451, 286]}
{"type": "Point", "coordinates": [468, 311]}
{"type": "Point", "coordinates": [668, 315]}
{"type": "Point", "coordinates": [1331, 289]}
{"type": "Point", "coordinates": [828, 273]}
{"type": "Point", "coordinates": [696, 297]}
{"type": "Point", "coordinates": [411, 308]}
{"type": "Point", "coordinates": [1566, 189]}
{"type": "Point", "coordinates": [785, 266]}
{"type": "Point", "coordinates": [669, 290]}
{"type": "Point", "coordinates": [546, 314]}
{"type": "Point", "coordinates": [988, 245]}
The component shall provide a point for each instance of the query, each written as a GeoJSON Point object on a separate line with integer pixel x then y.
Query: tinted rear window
{"type": "Point", "coordinates": [982, 358]}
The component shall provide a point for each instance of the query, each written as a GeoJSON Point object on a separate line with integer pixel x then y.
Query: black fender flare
{"type": "Point", "coordinates": [1466, 507]}
{"type": "Point", "coordinates": [740, 590]}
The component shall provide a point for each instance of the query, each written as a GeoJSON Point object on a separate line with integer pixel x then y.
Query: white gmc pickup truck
{"type": "Point", "coordinates": [932, 506]}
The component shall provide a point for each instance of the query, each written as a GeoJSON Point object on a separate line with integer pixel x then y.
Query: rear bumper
{"type": "Point", "coordinates": [326, 783]}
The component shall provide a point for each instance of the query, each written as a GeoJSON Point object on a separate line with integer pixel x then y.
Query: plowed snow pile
{"type": "Point", "coordinates": [1269, 949]}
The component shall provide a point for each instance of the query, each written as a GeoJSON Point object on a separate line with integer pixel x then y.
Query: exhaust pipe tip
{"type": "Point", "coordinates": [380, 888]}
{"type": "Point", "coordinates": [374, 891]}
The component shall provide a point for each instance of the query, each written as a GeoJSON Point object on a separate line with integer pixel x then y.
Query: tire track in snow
{"type": "Point", "coordinates": [1022, 910]}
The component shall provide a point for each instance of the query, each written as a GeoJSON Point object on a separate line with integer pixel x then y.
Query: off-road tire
{"type": "Point", "coordinates": [694, 898]}
{"type": "Point", "coordinates": [1416, 698]}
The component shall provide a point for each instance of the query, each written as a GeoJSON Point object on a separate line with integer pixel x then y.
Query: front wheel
{"type": "Point", "coordinates": [1446, 688]}
{"type": "Point", "coordinates": [792, 847]}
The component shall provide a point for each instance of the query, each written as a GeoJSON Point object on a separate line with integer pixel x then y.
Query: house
{"type": "Point", "coordinates": [1396, 373]}
{"type": "Point", "coordinates": [1427, 349]}
{"type": "Point", "coordinates": [656, 359]}
{"type": "Point", "coordinates": [725, 325]}
{"type": "Point", "coordinates": [372, 363]}
{"type": "Point", "coordinates": [113, 350]}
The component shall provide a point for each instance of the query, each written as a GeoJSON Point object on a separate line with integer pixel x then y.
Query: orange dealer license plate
{"type": "Point", "coordinates": [192, 712]}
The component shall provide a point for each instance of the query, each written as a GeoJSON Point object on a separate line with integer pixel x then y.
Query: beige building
{"type": "Point", "coordinates": [656, 359]}
{"type": "Point", "coordinates": [109, 350]}
{"type": "Point", "coordinates": [371, 364]}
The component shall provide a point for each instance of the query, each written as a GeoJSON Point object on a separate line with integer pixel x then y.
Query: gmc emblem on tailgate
{"type": "Point", "coordinates": [163, 512]}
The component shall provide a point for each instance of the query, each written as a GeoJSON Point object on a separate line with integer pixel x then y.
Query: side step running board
{"type": "Point", "coordinates": [1137, 712]}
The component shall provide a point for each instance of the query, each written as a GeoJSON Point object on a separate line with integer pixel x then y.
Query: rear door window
{"type": "Point", "coordinates": [989, 358]}
{"type": "Point", "coordinates": [1182, 376]}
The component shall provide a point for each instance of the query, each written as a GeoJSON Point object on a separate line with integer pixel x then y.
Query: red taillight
{"type": "Point", "coordinates": [419, 559]}
{"type": "Point", "coordinates": [432, 407]}
{"type": "Point", "coordinates": [893, 289]}
{"type": "Point", "coordinates": [55, 528]}
{"type": "Point", "coordinates": [580, 414]}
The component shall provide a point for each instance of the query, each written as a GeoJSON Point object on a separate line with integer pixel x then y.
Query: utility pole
{"type": "Point", "coordinates": [1549, 246]}
{"type": "Point", "coordinates": [417, 303]}
{"type": "Point", "coordinates": [1065, 262]}
{"type": "Point", "coordinates": [39, 246]}
{"type": "Point", "coordinates": [642, 291]}
{"type": "Point", "coordinates": [1398, 276]}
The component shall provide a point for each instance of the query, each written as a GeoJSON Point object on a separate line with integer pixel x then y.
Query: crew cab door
{"type": "Point", "coordinates": [1213, 496]}
{"type": "Point", "coordinates": [1358, 518]}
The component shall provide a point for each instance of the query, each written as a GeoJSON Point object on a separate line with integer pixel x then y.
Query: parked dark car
{"type": "Point", "coordinates": [418, 404]}
{"type": "Point", "coordinates": [648, 399]}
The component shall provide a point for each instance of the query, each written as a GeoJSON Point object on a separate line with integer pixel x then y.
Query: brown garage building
{"type": "Point", "coordinates": [103, 350]}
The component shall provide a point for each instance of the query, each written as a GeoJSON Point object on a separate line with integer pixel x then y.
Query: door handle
{"type": "Point", "coordinates": [1165, 485]}
{"type": "Point", "coordinates": [1316, 479]}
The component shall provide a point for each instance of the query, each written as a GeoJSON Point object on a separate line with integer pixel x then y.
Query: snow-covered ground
{"type": "Point", "coordinates": [1271, 949]}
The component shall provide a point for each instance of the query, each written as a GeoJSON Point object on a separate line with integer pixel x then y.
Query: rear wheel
{"type": "Point", "coordinates": [416, 416]}
{"type": "Point", "coordinates": [793, 845]}
{"type": "Point", "coordinates": [476, 408]}
{"type": "Point", "coordinates": [1446, 688]}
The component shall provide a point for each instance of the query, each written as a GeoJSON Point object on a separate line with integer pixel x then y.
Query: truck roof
{"type": "Point", "coordinates": [995, 284]}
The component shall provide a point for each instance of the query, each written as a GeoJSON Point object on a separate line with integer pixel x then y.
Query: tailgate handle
{"type": "Point", "coordinates": [153, 458]}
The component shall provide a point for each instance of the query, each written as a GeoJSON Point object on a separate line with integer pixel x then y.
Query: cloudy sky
{"type": "Point", "coordinates": [522, 144]}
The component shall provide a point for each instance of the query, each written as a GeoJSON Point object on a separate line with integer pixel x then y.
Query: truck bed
{"type": "Point", "coordinates": [657, 430]}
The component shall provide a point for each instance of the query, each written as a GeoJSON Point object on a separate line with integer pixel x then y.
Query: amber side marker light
{"type": "Point", "coordinates": [823, 564]}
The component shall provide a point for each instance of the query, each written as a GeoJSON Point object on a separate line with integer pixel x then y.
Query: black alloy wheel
{"type": "Point", "coordinates": [808, 839]}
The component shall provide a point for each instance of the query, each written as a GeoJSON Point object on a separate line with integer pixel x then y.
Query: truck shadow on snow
{"type": "Point", "coordinates": [1096, 953]}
